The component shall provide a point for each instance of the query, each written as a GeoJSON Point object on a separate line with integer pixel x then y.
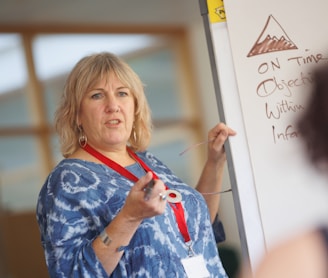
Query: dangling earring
{"type": "Point", "coordinates": [134, 134]}
{"type": "Point", "coordinates": [82, 138]}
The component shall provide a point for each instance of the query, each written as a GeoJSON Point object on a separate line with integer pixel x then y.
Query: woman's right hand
{"type": "Point", "coordinates": [124, 225]}
{"type": "Point", "coordinates": [136, 208]}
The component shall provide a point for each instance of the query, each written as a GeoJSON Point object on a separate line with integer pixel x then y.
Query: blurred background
{"type": "Point", "coordinates": [40, 41]}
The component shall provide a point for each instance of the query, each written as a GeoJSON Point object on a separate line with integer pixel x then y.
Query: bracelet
{"type": "Point", "coordinates": [104, 237]}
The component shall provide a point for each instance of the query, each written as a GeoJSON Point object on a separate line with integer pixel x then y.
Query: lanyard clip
{"type": "Point", "coordinates": [191, 252]}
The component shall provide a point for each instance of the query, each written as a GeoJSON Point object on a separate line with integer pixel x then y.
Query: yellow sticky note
{"type": "Point", "coordinates": [216, 11]}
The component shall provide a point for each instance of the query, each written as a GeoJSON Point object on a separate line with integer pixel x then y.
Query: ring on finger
{"type": "Point", "coordinates": [162, 196]}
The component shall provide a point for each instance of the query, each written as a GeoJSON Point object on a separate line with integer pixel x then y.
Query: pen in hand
{"type": "Point", "coordinates": [148, 189]}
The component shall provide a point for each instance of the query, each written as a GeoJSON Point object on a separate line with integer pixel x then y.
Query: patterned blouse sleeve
{"type": "Point", "coordinates": [67, 218]}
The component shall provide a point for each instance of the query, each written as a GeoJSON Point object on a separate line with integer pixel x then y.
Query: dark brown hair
{"type": "Point", "coordinates": [313, 124]}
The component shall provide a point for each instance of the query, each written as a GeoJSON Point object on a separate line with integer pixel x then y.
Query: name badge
{"type": "Point", "coordinates": [195, 267]}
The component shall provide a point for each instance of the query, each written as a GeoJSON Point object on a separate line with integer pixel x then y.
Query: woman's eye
{"type": "Point", "coordinates": [122, 94]}
{"type": "Point", "coordinates": [96, 95]}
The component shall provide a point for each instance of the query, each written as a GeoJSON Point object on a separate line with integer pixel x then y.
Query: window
{"type": "Point", "coordinates": [35, 70]}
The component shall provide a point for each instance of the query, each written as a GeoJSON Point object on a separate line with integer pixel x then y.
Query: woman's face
{"type": "Point", "coordinates": [107, 114]}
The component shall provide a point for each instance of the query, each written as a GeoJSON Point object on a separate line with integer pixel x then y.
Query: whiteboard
{"type": "Point", "coordinates": [264, 53]}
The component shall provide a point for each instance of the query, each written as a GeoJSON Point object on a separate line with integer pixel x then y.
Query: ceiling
{"type": "Point", "coordinates": [99, 12]}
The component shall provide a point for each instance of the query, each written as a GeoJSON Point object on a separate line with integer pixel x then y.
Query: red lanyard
{"type": "Point", "coordinates": [177, 207]}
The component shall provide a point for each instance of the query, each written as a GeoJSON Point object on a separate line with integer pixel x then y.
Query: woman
{"type": "Point", "coordinates": [111, 208]}
{"type": "Point", "coordinates": [306, 254]}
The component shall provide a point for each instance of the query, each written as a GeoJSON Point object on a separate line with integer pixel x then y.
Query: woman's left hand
{"type": "Point", "coordinates": [216, 138]}
{"type": "Point", "coordinates": [212, 174]}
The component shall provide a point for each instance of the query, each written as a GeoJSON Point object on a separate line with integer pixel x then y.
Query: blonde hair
{"type": "Point", "coordinates": [86, 73]}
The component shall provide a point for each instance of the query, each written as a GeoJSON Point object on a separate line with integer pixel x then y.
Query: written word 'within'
{"type": "Point", "coordinates": [275, 111]}
{"type": "Point", "coordinates": [271, 85]}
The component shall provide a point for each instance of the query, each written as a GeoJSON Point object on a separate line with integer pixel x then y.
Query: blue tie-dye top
{"type": "Point", "coordinates": [80, 198]}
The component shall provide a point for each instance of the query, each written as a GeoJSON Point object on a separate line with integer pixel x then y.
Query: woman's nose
{"type": "Point", "coordinates": [112, 105]}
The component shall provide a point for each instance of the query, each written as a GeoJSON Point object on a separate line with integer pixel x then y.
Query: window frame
{"type": "Point", "coordinates": [43, 131]}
